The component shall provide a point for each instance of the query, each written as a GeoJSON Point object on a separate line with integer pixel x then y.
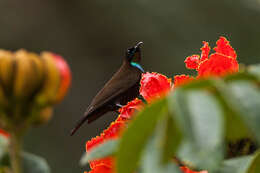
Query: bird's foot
{"type": "Point", "coordinates": [119, 105]}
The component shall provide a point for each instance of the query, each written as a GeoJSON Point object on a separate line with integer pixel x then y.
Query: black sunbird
{"type": "Point", "coordinates": [120, 89]}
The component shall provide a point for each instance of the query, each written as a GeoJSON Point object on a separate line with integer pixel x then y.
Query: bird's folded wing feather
{"type": "Point", "coordinates": [118, 84]}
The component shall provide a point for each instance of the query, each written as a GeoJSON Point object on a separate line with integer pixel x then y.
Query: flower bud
{"type": "Point", "coordinates": [30, 85]}
{"type": "Point", "coordinates": [65, 77]}
{"type": "Point", "coordinates": [57, 79]}
{"type": "Point", "coordinates": [6, 68]}
{"type": "Point", "coordinates": [28, 74]}
{"type": "Point", "coordinates": [44, 116]}
{"type": "Point", "coordinates": [50, 86]}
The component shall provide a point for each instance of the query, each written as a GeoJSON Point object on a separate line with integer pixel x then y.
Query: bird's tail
{"type": "Point", "coordinates": [78, 125]}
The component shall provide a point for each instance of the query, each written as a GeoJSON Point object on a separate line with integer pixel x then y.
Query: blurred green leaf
{"type": "Point", "coordinates": [255, 165]}
{"type": "Point", "coordinates": [245, 164]}
{"type": "Point", "coordinates": [3, 146]}
{"type": "Point", "coordinates": [105, 149]}
{"type": "Point", "coordinates": [247, 96]}
{"type": "Point", "coordinates": [255, 70]}
{"type": "Point", "coordinates": [34, 164]}
{"type": "Point", "coordinates": [201, 119]}
{"type": "Point", "coordinates": [135, 137]}
{"type": "Point", "coordinates": [153, 153]}
{"type": "Point", "coordinates": [235, 127]}
{"type": "Point", "coordinates": [237, 165]}
{"type": "Point", "coordinates": [171, 138]}
{"type": "Point", "coordinates": [31, 163]}
{"type": "Point", "coordinates": [203, 113]}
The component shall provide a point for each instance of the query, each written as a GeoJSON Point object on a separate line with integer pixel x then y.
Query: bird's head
{"type": "Point", "coordinates": [133, 56]}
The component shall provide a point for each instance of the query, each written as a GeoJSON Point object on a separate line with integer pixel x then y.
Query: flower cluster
{"type": "Point", "coordinates": [30, 84]}
{"type": "Point", "coordinates": [155, 85]}
{"type": "Point", "coordinates": [218, 64]}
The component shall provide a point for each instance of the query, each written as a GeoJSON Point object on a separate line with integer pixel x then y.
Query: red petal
{"type": "Point", "coordinates": [114, 130]}
{"type": "Point", "coordinates": [223, 47]}
{"type": "Point", "coordinates": [108, 161]}
{"type": "Point", "coordinates": [65, 75]}
{"type": "Point", "coordinates": [111, 132]}
{"type": "Point", "coordinates": [128, 110]}
{"type": "Point", "coordinates": [187, 170]}
{"type": "Point", "coordinates": [182, 79]}
{"type": "Point", "coordinates": [102, 169]}
{"type": "Point", "coordinates": [217, 65]}
{"type": "Point", "coordinates": [94, 142]}
{"type": "Point", "coordinates": [154, 85]}
{"type": "Point", "coordinates": [205, 51]}
{"type": "Point", "coordinates": [192, 62]}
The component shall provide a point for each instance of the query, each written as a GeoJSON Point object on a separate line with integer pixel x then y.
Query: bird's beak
{"type": "Point", "coordinates": [138, 45]}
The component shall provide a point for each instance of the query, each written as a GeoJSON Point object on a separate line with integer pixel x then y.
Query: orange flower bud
{"type": "Point", "coordinates": [30, 85]}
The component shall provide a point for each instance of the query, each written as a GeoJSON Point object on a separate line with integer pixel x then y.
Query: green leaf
{"type": "Point", "coordinates": [240, 76]}
{"type": "Point", "coordinates": [235, 127]}
{"type": "Point", "coordinates": [153, 154]}
{"type": "Point", "coordinates": [255, 70]}
{"type": "Point", "coordinates": [237, 165]}
{"type": "Point", "coordinates": [245, 164]}
{"type": "Point", "coordinates": [171, 139]}
{"type": "Point", "coordinates": [255, 165]}
{"type": "Point", "coordinates": [136, 135]}
{"type": "Point", "coordinates": [3, 146]}
{"type": "Point", "coordinates": [247, 96]}
{"type": "Point", "coordinates": [31, 163]}
{"type": "Point", "coordinates": [201, 119]}
{"type": "Point", "coordinates": [34, 164]}
{"type": "Point", "coordinates": [103, 150]}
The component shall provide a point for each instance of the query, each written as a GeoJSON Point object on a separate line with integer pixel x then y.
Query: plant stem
{"type": "Point", "coordinates": [15, 148]}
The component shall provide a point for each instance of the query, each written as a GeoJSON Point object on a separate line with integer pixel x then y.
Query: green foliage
{"type": "Point", "coordinates": [34, 164]}
{"type": "Point", "coordinates": [245, 164]}
{"type": "Point", "coordinates": [137, 135]}
{"type": "Point", "coordinates": [3, 146]}
{"type": "Point", "coordinates": [31, 162]}
{"type": "Point", "coordinates": [200, 115]}
{"type": "Point", "coordinates": [103, 150]}
{"type": "Point", "coordinates": [195, 123]}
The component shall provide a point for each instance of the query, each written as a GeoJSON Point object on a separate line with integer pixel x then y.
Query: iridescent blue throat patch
{"type": "Point", "coordinates": [134, 64]}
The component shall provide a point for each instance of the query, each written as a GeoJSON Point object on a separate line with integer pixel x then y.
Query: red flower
{"type": "Point", "coordinates": [101, 169]}
{"type": "Point", "coordinates": [127, 111]}
{"type": "Point", "coordinates": [224, 48]}
{"type": "Point", "coordinates": [154, 86]}
{"type": "Point", "coordinates": [205, 51]}
{"type": "Point", "coordinates": [187, 170]}
{"type": "Point", "coordinates": [113, 131]}
{"type": "Point", "coordinates": [182, 79]}
{"type": "Point", "coordinates": [218, 64]}
{"type": "Point", "coordinates": [192, 62]}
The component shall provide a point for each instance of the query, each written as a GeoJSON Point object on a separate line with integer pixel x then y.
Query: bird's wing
{"type": "Point", "coordinates": [122, 80]}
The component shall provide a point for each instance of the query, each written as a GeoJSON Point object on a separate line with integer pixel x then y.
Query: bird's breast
{"type": "Point", "coordinates": [129, 95]}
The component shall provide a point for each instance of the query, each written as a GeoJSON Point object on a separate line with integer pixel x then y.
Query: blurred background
{"type": "Point", "coordinates": [93, 36]}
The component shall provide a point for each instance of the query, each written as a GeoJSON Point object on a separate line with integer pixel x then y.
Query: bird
{"type": "Point", "coordinates": [120, 89]}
